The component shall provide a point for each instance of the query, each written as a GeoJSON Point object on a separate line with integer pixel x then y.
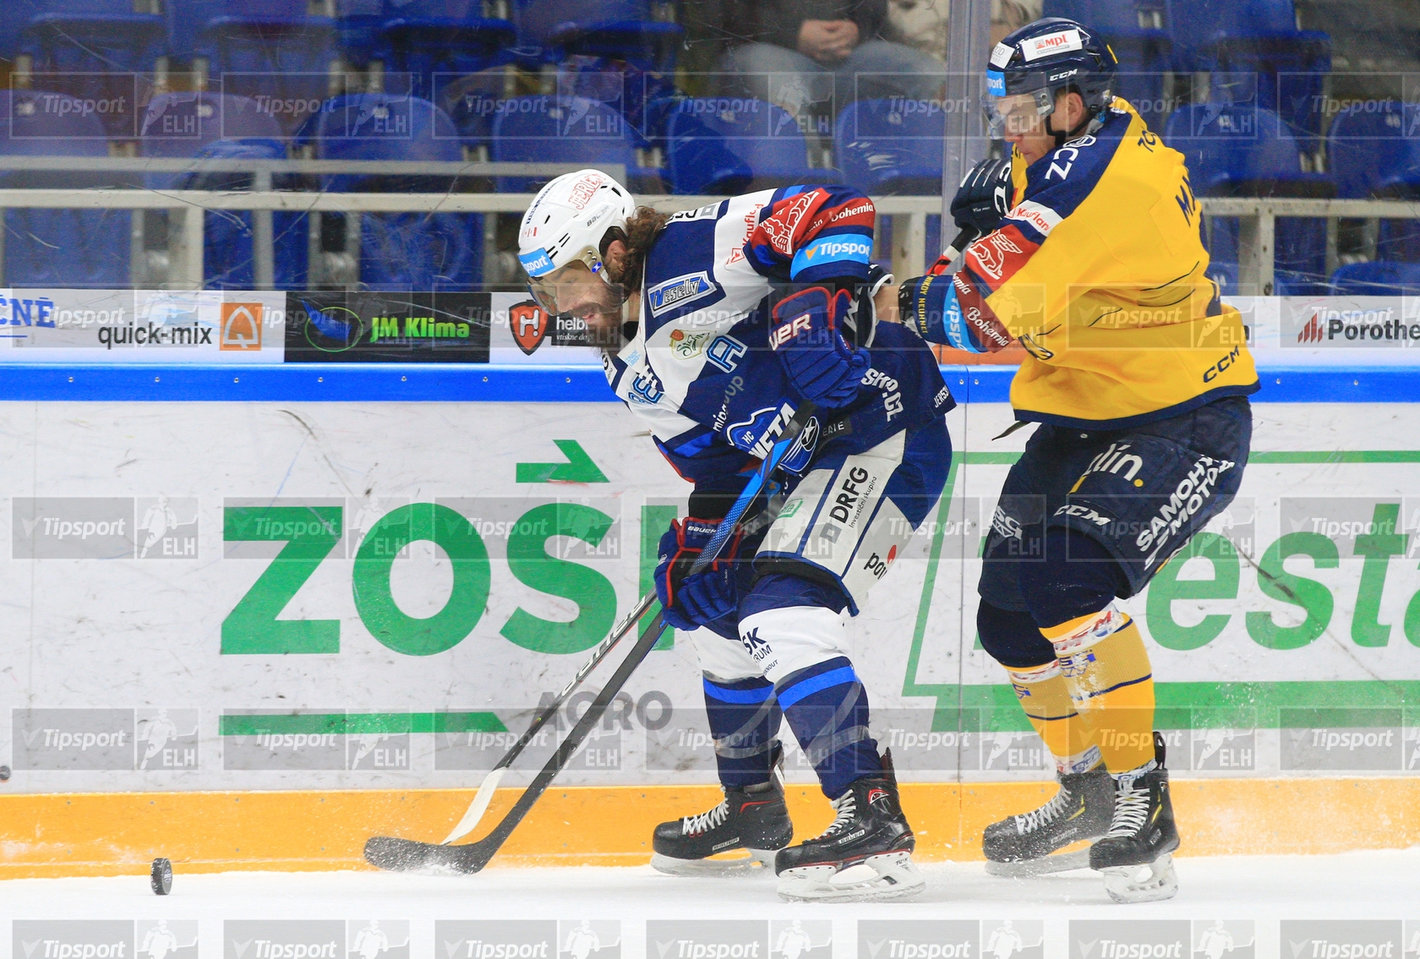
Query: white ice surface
{"type": "Point", "coordinates": [1266, 890]}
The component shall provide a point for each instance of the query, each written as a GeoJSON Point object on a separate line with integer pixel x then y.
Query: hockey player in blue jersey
{"type": "Point", "coordinates": [715, 325]}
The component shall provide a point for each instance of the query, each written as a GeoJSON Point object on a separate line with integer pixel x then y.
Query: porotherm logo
{"type": "Point", "coordinates": [707, 939]}
{"type": "Point", "coordinates": [496, 939]}
{"type": "Point", "coordinates": [1385, 322]}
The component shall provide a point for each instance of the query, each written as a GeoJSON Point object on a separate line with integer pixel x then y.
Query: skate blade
{"type": "Point", "coordinates": [1044, 866]}
{"type": "Point", "coordinates": [879, 878]}
{"type": "Point", "coordinates": [757, 860]}
{"type": "Point", "coordinates": [1147, 882]}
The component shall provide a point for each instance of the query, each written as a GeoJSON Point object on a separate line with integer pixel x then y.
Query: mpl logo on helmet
{"type": "Point", "coordinates": [1062, 42]}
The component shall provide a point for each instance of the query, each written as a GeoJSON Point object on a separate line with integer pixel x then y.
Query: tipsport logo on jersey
{"type": "Point", "coordinates": [78, 527]}
{"type": "Point", "coordinates": [145, 740]}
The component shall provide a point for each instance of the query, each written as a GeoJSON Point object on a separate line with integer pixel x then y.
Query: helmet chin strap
{"type": "Point", "coordinates": [1061, 138]}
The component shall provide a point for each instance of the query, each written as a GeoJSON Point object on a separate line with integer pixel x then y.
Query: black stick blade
{"type": "Point", "coordinates": [408, 855]}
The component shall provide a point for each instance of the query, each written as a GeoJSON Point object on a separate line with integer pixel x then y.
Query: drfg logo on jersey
{"type": "Point", "coordinates": [1130, 939]}
{"type": "Point", "coordinates": [72, 939]}
{"type": "Point", "coordinates": [919, 939]}
{"type": "Point", "coordinates": [707, 939]}
{"type": "Point", "coordinates": [283, 939]}
{"type": "Point", "coordinates": [1338, 740]}
{"type": "Point", "coordinates": [1341, 939]}
{"type": "Point", "coordinates": [495, 939]}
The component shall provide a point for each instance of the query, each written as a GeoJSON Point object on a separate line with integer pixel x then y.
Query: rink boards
{"type": "Point", "coordinates": [258, 614]}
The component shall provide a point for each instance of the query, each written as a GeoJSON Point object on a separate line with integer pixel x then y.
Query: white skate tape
{"type": "Point", "coordinates": [747, 861]}
{"type": "Point", "coordinates": [882, 877]}
{"type": "Point", "coordinates": [1044, 866]}
{"type": "Point", "coordinates": [1147, 882]}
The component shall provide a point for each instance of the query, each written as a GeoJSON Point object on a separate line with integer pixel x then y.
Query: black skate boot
{"type": "Point", "coordinates": [1025, 845]}
{"type": "Point", "coordinates": [1136, 854]}
{"type": "Point", "coordinates": [754, 819]}
{"type": "Point", "coordinates": [871, 832]}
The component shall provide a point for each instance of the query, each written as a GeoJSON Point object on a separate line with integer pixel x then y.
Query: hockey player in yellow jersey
{"type": "Point", "coordinates": [1090, 255]}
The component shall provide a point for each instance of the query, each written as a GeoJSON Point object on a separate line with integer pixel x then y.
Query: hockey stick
{"type": "Point", "coordinates": [954, 250]}
{"type": "Point", "coordinates": [389, 852]}
{"type": "Point", "coordinates": [484, 796]}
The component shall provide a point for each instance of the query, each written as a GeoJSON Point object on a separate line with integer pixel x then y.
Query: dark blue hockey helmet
{"type": "Point", "coordinates": [1041, 59]}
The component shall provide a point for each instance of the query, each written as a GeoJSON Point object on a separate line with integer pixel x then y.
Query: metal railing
{"type": "Point", "coordinates": [471, 191]}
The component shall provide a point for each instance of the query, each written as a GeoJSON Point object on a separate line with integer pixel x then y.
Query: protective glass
{"type": "Point", "coordinates": [544, 288]}
{"type": "Point", "coordinates": [1017, 113]}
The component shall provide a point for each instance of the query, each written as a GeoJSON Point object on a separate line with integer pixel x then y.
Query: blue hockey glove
{"type": "Point", "coordinates": [983, 197]}
{"type": "Point", "coordinates": [804, 331]}
{"type": "Point", "coordinates": [689, 602]}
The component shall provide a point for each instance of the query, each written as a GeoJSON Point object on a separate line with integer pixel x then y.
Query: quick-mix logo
{"type": "Point", "coordinates": [1341, 939]}
{"type": "Point", "coordinates": [919, 939]}
{"type": "Point", "coordinates": [496, 939]}
{"type": "Point", "coordinates": [707, 939]}
{"type": "Point", "coordinates": [72, 939]}
{"type": "Point", "coordinates": [1130, 939]}
{"type": "Point", "coordinates": [283, 939]}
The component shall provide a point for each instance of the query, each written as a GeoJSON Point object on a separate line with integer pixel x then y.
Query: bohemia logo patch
{"type": "Point", "coordinates": [529, 325]}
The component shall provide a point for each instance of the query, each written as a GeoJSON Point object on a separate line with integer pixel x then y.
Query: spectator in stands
{"type": "Point", "coordinates": [811, 56]}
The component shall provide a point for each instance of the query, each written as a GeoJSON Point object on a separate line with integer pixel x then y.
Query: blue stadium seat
{"type": "Point", "coordinates": [270, 50]}
{"type": "Point", "coordinates": [641, 32]}
{"type": "Point", "coordinates": [359, 23]}
{"type": "Point", "coordinates": [721, 145]}
{"type": "Point", "coordinates": [99, 51]}
{"type": "Point", "coordinates": [399, 251]}
{"type": "Point", "coordinates": [1373, 150]}
{"type": "Point", "coordinates": [204, 126]}
{"type": "Point", "coordinates": [544, 128]}
{"type": "Point", "coordinates": [1234, 150]}
{"type": "Point", "coordinates": [59, 248]}
{"type": "Point", "coordinates": [1376, 278]}
{"type": "Point", "coordinates": [1254, 54]}
{"type": "Point", "coordinates": [1135, 32]}
{"type": "Point", "coordinates": [421, 39]}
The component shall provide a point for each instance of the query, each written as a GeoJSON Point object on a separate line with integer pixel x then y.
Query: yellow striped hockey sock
{"type": "Point", "coordinates": [1045, 698]}
{"type": "Point", "coordinates": [1106, 669]}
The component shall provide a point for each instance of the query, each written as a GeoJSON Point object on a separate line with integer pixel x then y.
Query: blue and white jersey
{"type": "Point", "coordinates": [700, 370]}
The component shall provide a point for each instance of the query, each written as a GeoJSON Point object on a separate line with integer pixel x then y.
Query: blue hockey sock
{"type": "Point", "coordinates": [744, 722]}
{"type": "Point", "coordinates": [827, 707]}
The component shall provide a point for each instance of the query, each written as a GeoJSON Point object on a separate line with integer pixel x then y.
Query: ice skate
{"type": "Point", "coordinates": [752, 822]}
{"type": "Point", "coordinates": [1136, 854]}
{"type": "Point", "coordinates": [866, 853]}
{"type": "Point", "coordinates": [1028, 844]}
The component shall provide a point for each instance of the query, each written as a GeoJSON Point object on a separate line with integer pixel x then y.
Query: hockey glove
{"type": "Point", "coordinates": [804, 331]}
{"type": "Point", "coordinates": [950, 310]}
{"type": "Point", "coordinates": [983, 197]}
{"type": "Point", "coordinates": [689, 602]}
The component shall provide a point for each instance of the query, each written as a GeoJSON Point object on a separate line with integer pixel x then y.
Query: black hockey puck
{"type": "Point", "coordinates": [162, 877]}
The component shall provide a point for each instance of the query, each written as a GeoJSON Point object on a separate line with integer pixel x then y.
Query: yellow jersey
{"type": "Point", "coordinates": [1099, 270]}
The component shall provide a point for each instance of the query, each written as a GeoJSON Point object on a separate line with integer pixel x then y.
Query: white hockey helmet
{"type": "Point", "coordinates": [569, 221]}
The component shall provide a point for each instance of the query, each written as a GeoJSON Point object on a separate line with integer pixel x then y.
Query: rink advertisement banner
{"type": "Point", "coordinates": [325, 595]}
{"type": "Point", "coordinates": [141, 326]}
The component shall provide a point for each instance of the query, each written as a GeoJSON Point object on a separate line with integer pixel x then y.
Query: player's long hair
{"type": "Point", "coordinates": [641, 232]}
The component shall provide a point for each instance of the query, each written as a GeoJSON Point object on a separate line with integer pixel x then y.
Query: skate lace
{"type": "Point", "coordinates": [846, 806]}
{"type": "Point", "coordinates": [1131, 808]}
{"type": "Point", "coordinates": [1058, 806]}
{"type": "Point", "coordinates": [705, 821]}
